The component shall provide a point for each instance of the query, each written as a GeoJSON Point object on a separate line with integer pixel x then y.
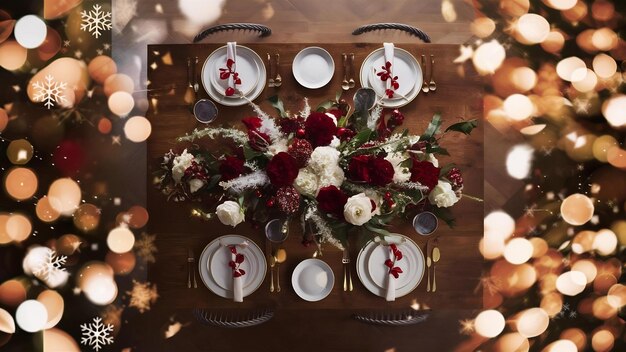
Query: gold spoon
{"type": "Point", "coordinates": [424, 84]}
{"type": "Point", "coordinates": [351, 83]}
{"type": "Point", "coordinates": [344, 84]}
{"type": "Point", "coordinates": [428, 264]}
{"type": "Point", "coordinates": [272, 264]}
{"type": "Point", "coordinates": [279, 257]}
{"type": "Point", "coordinates": [436, 257]}
{"type": "Point", "coordinates": [270, 81]}
{"type": "Point", "coordinates": [278, 80]}
{"type": "Point", "coordinates": [432, 86]}
{"type": "Point", "coordinates": [190, 94]}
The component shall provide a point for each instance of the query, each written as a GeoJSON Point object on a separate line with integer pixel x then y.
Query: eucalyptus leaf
{"type": "Point", "coordinates": [278, 105]}
{"type": "Point", "coordinates": [433, 128]}
{"type": "Point", "coordinates": [465, 127]}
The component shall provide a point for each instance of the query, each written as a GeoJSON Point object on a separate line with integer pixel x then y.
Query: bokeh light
{"type": "Point", "coordinates": [566, 67]}
{"type": "Point", "coordinates": [137, 129]}
{"type": "Point", "coordinates": [20, 151]}
{"type": "Point", "coordinates": [604, 66]}
{"type": "Point", "coordinates": [101, 67]}
{"type": "Point", "coordinates": [518, 107]}
{"type": "Point", "coordinates": [7, 324]}
{"type": "Point", "coordinates": [18, 227]}
{"type": "Point", "coordinates": [561, 4]}
{"type": "Point", "coordinates": [31, 316]}
{"type": "Point", "coordinates": [605, 242]}
{"type": "Point", "coordinates": [577, 209]}
{"type": "Point", "coordinates": [576, 336]}
{"type": "Point", "coordinates": [58, 340]}
{"type": "Point", "coordinates": [532, 322]}
{"type": "Point", "coordinates": [64, 196]}
{"type": "Point", "coordinates": [519, 161]}
{"type": "Point", "coordinates": [120, 240]}
{"type": "Point", "coordinates": [614, 110]}
{"type": "Point", "coordinates": [489, 323]}
{"type": "Point", "coordinates": [532, 28]}
{"type": "Point", "coordinates": [118, 82]}
{"type": "Point", "coordinates": [586, 267]}
{"type": "Point", "coordinates": [518, 251]}
{"type": "Point", "coordinates": [488, 57]}
{"type": "Point", "coordinates": [87, 217]}
{"type": "Point", "coordinates": [571, 283]}
{"type": "Point", "coordinates": [30, 31]}
{"type": "Point", "coordinates": [54, 304]}
{"type": "Point", "coordinates": [602, 340]}
{"type": "Point", "coordinates": [121, 103]}
{"type": "Point", "coordinates": [561, 346]}
{"type": "Point", "coordinates": [20, 183]}
{"type": "Point", "coordinates": [12, 55]}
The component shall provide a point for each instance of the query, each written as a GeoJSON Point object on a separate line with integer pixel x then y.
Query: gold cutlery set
{"type": "Point", "coordinates": [348, 71]}
{"type": "Point", "coordinates": [192, 81]}
{"type": "Point", "coordinates": [274, 81]}
{"type": "Point", "coordinates": [191, 270]}
{"type": "Point", "coordinates": [432, 257]}
{"type": "Point", "coordinates": [347, 275]}
{"type": "Point", "coordinates": [426, 85]}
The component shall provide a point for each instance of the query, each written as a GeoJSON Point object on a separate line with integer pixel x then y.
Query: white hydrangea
{"type": "Point", "coordinates": [324, 158]}
{"type": "Point", "coordinates": [306, 182]}
{"type": "Point", "coordinates": [401, 174]}
{"type": "Point", "coordinates": [280, 145]}
{"type": "Point", "coordinates": [331, 177]}
{"type": "Point", "coordinates": [195, 184]}
{"type": "Point", "coordinates": [180, 164]}
{"type": "Point", "coordinates": [443, 195]}
{"type": "Point", "coordinates": [335, 142]}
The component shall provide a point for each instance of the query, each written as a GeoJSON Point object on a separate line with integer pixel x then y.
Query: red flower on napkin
{"type": "Point", "coordinates": [225, 73]}
{"type": "Point", "coordinates": [234, 264]}
{"type": "Point", "coordinates": [385, 75]}
{"type": "Point", "coordinates": [397, 254]}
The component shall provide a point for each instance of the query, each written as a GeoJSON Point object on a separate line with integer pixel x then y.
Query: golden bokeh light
{"type": "Point", "coordinates": [601, 147]}
{"type": "Point", "coordinates": [12, 293]}
{"type": "Point", "coordinates": [12, 55]}
{"type": "Point", "coordinates": [617, 296]}
{"type": "Point", "coordinates": [64, 196]}
{"type": "Point", "coordinates": [20, 183]}
{"type": "Point", "coordinates": [101, 67]}
{"type": "Point", "coordinates": [561, 346]}
{"type": "Point", "coordinates": [518, 107]}
{"type": "Point", "coordinates": [482, 27]}
{"type": "Point", "coordinates": [514, 7]}
{"type": "Point", "coordinates": [604, 39]}
{"type": "Point", "coordinates": [512, 341]}
{"type": "Point", "coordinates": [44, 210]}
{"type": "Point", "coordinates": [524, 78]}
{"type": "Point", "coordinates": [602, 10]}
{"type": "Point", "coordinates": [120, 240]}
{"type": "Point", "coordinates": [488, 57]}
{"type": "Point", "coordinates": [4, 236]}
{"type": "Point", "coordinates": [532, 28]}
{"type": "Point", "coordinates": [576, 13]}
{"type": "Point", "coordinates": [18, 227]}
{"type": "Point", "coordinates": [54, 304]}
{"type": "Point", "coordinates": [584, 80]}
{"type": "Point", "coordinates": [603, 283]}
{"type": "Point", "coordinates": [602, 309]}
{"type": "Point", "coordinates": [604, 66]}
{"type": "Point", "coordinates": [602, 340]}
{"type": "Point", "coordinates": [138, 217]}
{"type": "Point", "coordinates": [513, 280]}
{"type": "Point", "coordinates": [87, 217]}
{"type": "Point", "coordinates": [137, 129]}
{"type": "Point", "coordinates": [560, 4]}
{"type": "Point", "coordinates": [122, 263]}
{"type": "Point", "coordinates": [489, 323]}
{"type": "Point", "coordinates": [554, 42]}
{"type": "Point", "coordinates": [118, 82]}
{"type": "Point", "coordinates": [20, 151]}
{"type": "Point", "coordinates": [614, 110]}
{"type": "Point", "coordinates": [605, 242]}
{"type": "Point", "coordinates": [571, 283]}
{"type": "Point", "coordinates": [566, 67]}
{"type": "Point", "coordinates": [68, 244]}
{"type": "Point", "coordinates": [586, 267]}
{"type": "Point", "coordinates": [518, 251]}
{"type": "Point", "coordinates": [552, 303]}
{"type": "Point", "coordinates": [577, 336]}
{"type": "Point", "coordinates": [532, 322]}
{"type": "Point", "coordinates": [540, 247]}
{"type": "Point", "coordinates": [58, 340]}
{"type": "Point", "coordinates": [577, 209]}
{"type": "Point", "coordinates": [121, 103]}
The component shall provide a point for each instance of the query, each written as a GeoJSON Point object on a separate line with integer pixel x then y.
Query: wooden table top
{"type": "Point", "coordinates": [459, 270]}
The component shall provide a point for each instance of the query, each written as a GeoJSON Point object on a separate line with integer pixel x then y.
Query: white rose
{"type": "Point", "coordinates": [324, 158]}
{"type": "Point", "coordinates": [335, 142]}
{"type": "Point", "coordinates": [306, 182]}
{"type": "Point", "coordinates": [358, 209]}
{"type": "Point", "coordinates": [442, 195]}
{"type": "Point", "coordinates": [230, 213]}
{"type": "Point", "coordinates": [421, 156]}
{"type": "Point", "coordinates": [195, 184]}
{"type": "Point", "coordinates": [180, 164]}
{"type": "Point", "coordinates": [400, 173]}
{"type": "Point", "coordinates": [277, 147]}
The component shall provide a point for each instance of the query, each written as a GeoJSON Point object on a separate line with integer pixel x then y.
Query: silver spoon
{"type": "Point", "coordinates": [344, 84]}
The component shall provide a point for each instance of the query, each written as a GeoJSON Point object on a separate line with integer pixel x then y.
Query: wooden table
{"type": "Point", "coordinates": [459, 270]}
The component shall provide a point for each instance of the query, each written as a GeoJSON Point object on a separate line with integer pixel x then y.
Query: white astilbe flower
{"type": "Point", "coordinates": [374, 116]}
{"type": "Point", "coordinates": [236, 135]}
{"type": "Point", "coordinates": [306, 110]}
{"type": "Point", "coordinates": [252, 165]}
{"type": "Point", "coordinates": [322, 227]}
{"type": "Point", "coordinates": [353, 187]}
{"type": "Point", "coordinates": [412, 185]}
{"type": "Point", "coordinates": [239, 184]}
{"type": "Point", "coordinates": [268, 124]}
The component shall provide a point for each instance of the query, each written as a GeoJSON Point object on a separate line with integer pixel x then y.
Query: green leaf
{"type": "Point", "coordinates": [359, 139]}
{"type": "Point", "coordinates": [213, 181]}
{"type": "Point", "coordinates": [445, 214]}
{"type": "Point", "coordinates": [325, 106]}
{"type": "Point", "coordinates": [278, 105]}
{"type": "Point", "coordinates": [250, 153]}
{"type": "Point", "coordinates": [432, 129]}
{"type": "Point", "coordinates": [337, 96]}
{"type": "Point", "coordinates": [465, 127]}
{"type": "Point", "coordinates": [436, 149]}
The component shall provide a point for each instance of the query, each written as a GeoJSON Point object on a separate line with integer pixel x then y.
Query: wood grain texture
{"type": "Point", "coordinates": [460, 267]}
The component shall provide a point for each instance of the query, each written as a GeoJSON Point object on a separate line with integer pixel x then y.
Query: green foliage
{"type": "Point", "coordinates": [278, 105]}
{"type": "Point", "coordinates": [465, 127]}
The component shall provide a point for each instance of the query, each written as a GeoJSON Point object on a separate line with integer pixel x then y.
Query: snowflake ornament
{"type": "Point", "coordinates": [95, 21]}
{"type": "Point", "coordinates": [50, 266]}
{"type": "Point", "coordinates": [96, 334]}
{"type": "Point", "coordinates": [146, 248]}
{"type": "Point", "coordinates": [49, 92]}
{"type": "Point", "coordinates": [142, 295]}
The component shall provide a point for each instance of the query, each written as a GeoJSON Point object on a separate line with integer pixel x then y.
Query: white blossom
{"type": "Point", "coordinates": [443, 195]}
{"type": "Point", "coordinates": [180, 164]}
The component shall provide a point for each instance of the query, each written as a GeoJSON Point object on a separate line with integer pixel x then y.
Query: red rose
{"type": "Point", "coordinates": [331, 200]}
{"type": "Point", "coordinates": [252, 123]}
{"type": "Point", "coordinates": [425, 173]}
{"type": "Point", "coordinates": [282, 169]}
{"type": "Point", "coordinates": [381, 172]}
{"type": "Point", "coordinates": [319, 129]}
{"type": "Point", "coordinates": [358, 169]}
{"type": "Point", "coordinates": [231, 167]}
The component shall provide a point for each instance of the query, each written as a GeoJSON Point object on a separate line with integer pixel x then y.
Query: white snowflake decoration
{"type": "Point", "coordinates": [95, 21]}
{"type": "Point", "coordinates": [50, 266]}
{"type": "Point", "coordinates": [49, 92]}
{"type": "Point", "coordinates": [96, 334]}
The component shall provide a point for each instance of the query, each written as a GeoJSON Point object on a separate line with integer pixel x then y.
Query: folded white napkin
{"type": "Point", "coordinates": [389, 52]}
{"type": "Point", "coordinates": [390, 296]}
{"type": "Point", "coordinates": [237, 285]}
{"type": "Point", "coordinates": [231, 53]}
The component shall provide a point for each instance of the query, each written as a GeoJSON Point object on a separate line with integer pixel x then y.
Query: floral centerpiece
{"type": "Point", "coordinates": [334, 169]}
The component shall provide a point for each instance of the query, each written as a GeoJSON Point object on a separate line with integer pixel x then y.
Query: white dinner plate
{"type": "Point", "coordinates": [208, 274]}
{"type": "Point", "coordinates": [414, 276]}
{"type": "Point", "coordinates": [405, 66]}
{"type": "Point", "coordinates": [312, 280]}
{"type": "Point", "coordinates": [221, 257]}
{"type": "Point", "coordinates": [379, 272]}
{"type": "Point", "coordinates": [313, 67]}
{"type": "Point", "coordinates": [245, 65]}
{"type": "Point", "coordinates": [257, 79]}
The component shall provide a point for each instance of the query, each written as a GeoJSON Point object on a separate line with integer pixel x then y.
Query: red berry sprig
{"type": "Point", "coordinates": [234, 264]}
{"type": "Point", "coordinates": [397, 255]}
{"type": "Point", "coordinates": [225, 74]}
{"type": "Point", "coordinates": [385, 75]}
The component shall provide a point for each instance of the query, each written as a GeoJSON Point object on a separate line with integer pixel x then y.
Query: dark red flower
{"type": "Point", "coordinates": [331, 200]}
{"type": "Point", "coordinates": [335, 112]}
{"type": "Point", "coordinates": [252, 123]}
{"type": "Point", "coordinates": [231, 167]}
{"type": "Point", "coordinates": [425, 173]}
{"type": "Point", "coordinates": [288, 199]}
{"type": "Point", "coordinates": [258, 140]}
{"type": "Point", "coordinates": [291, 125]}
{"type": "Point", "coordinates": [345, 134]}
{"type": "Point", "coordinates": [282, 169]}
{"type": "Point", "coordinates": [301, 150]}
{"type": "Point", "coordinates": [358, 169]}
{"type": "Point", "coordinates": [319, 129]}
{"type": "Point", "coordinates": [380, 171]}
{"type": "Point", "coordinates": [456, 179]}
